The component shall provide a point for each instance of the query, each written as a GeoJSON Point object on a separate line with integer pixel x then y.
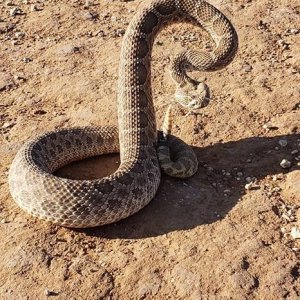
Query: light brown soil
{"type": "Point", "coordinates": [203, 238]}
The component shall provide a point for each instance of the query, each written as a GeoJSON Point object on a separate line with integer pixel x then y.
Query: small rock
{"type": "Point", "coordinates": [277, 177]}
{"type": "Point", "coordinates": [68, 49]}
{"type": "Point", "coordinates": [8, 125]}
{"type": "Point", "coordinates": [49, 293]}
{"type": "Point", "coordinates": [276, 189]}
{"type": "Point", "coordinates": [90, 16]}
{"type": "Point", "coordinates": [294, 31]}
{"type": "Point", "coordinates": [252, 186]}
{"type": "Point", "coordinates": [282, 43]}
{"type": "Point", "coordinates": [100, 33]}
{"type": "Point", "coordinates": [26, 59]}
{"type": "Point", "coordinates": [14, 42]}
{"type": "Point", "coordinates": [249, 179]}
{"type": "Point", "coordinates": [285, 164]}
{"type": "Point", "coordinates": [87, 4]}
{"type": "Point", "coordinates": [295, 233]}
{"type": "Point", "coordinates": [247, 68]}
{"type": "Point", "coordinates": [19, 77]}
{"type": "Point", "coordinates": [19, 35]}
{"type": "Point", "coordinates": [15, 11]}
{"type": "Point", "coordinates": [294, 152]}
{"type": "Point", "coordinates": [269, 127]}
{"type": "Point", "coordinates": [120, 32]}
{"type": "Point", "coordinates": [283, 143]}
{"type": "Point", "coordinates": [33, 8]}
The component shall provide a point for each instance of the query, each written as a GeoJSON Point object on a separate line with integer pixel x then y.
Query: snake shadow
{"type": "Point", "coordinates": [210, 194]}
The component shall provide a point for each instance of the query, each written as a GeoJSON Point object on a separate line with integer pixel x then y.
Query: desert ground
{"type": "Point", "coordinates": [229, 232]}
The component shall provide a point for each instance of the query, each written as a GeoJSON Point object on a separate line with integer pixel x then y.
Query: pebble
{"type": "Point", "coordinates": [285, 164]}
{"type": "Point", "coordinates": [283, 143]}
{"type": "Point", "coordinates": [19, 77]}
{"type": "Point", "coordinates": [90, 16]}
{"type": "Point", "coordinates": [7, 125]}
{"type": "Point", "coordinates": [120, 31]}
{"type": "Point", "coordinates": [69, 49]}
{"type": "Point", "coordinates": [276, 189]}
{"type": "Point", "coordinates": [248, 179]}
{"type": "Point", "coordinates": [252, 186]}
{"type": "Point", "coordinates": [282, 43]}
{"type": "Point", "coordinates": [294, 31]}
{"type": "Point", "coordinates": [294, 152]}
{"type": "Point", "coordinates": [269, 127]}
{"type": "Point", "coordinates": [87, 4]}
{"type": "Point", "coordinates": [19, 35]}
{"type": "Point", "coordinates": [26, 59]}
{"type": "Point", "coordinates": [247, 68]}
{"type": "Point", "coordinates": [295, 233]}
{"type": "Point", "coordinates": [50, 293]}
{"type": "Point", "coordinates": [277, 177]}
{"type": "Point", "coordinates": [100, 33]}
{"type": "Point", "coordinates": [33, 7]}
{"type": "Point", "coordinates": [15, 11]}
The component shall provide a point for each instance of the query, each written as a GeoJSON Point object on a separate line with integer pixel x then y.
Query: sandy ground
{"type": "Point", "coordinates": [208, 237]}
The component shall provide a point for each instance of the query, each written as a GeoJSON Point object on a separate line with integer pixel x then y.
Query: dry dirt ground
{"type": "Point", "coordinates": [208, 237]}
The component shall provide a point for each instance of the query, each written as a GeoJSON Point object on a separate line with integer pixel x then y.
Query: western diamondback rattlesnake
{"type": "Point", "coordinates": [88, 203]}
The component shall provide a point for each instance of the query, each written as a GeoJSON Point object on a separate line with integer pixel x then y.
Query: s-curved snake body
{"type": "Point", "coordinates": [89, 203]}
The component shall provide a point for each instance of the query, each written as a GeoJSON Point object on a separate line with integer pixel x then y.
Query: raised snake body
{"type": "Point", "coordinates": [88, 203]}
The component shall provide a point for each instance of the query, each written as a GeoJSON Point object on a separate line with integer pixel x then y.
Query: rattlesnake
{"type": "Point", "coordinates": [88, 203]}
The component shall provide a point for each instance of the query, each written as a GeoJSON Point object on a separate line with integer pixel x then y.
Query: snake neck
{"type": "Point", "coordinates": [137, 125]}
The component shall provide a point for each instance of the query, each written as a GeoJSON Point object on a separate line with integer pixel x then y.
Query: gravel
{"type": "Point", "coordinates": [285, 164]}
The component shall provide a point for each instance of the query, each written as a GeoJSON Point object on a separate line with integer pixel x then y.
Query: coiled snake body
{"type": "Point", "coordinates": [88, 203]}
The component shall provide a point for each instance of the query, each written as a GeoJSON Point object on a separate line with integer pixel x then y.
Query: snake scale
{"type": "Point", "coordinates": [89, 203]}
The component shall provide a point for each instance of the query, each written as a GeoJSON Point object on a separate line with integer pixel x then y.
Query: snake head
{"type": "Point", "coordinates": [192, 95]}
